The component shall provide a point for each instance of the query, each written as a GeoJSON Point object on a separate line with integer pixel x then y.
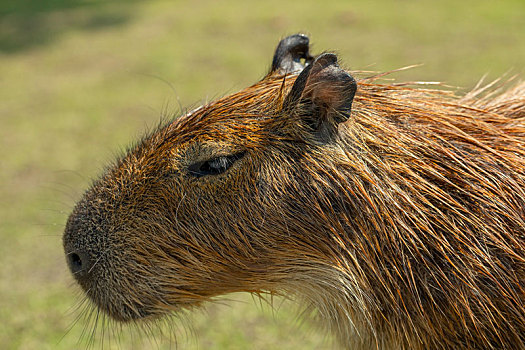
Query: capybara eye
{"type": "Point", "coordinates": [214, 166]}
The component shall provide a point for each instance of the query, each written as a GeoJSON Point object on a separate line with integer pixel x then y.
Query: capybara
{"type": "Point", "coordinates": [395, 211]}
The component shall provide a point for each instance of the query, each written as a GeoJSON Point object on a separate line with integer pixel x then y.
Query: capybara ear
{"type": "Point", "coordinates": [289, 53]}
{"type": "Point", "coordinates": [321, 96]}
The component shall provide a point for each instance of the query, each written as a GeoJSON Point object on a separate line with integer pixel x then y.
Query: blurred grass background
{"type": "Point", "coordinates": [79, 80]}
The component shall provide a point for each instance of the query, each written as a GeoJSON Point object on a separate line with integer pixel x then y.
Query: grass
{"type": "Point", "coordinates": [82, 79]}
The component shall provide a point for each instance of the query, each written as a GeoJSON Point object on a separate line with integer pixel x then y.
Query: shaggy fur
{"type": "Point", "coordinates": [405, 228]}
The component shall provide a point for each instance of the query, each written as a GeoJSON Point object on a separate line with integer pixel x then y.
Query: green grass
{"type": "Point", "coordinates": [79, 80]}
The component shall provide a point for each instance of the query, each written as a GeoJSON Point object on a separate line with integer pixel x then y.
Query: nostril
{"type": "Point", "coordinates": [78, 262]}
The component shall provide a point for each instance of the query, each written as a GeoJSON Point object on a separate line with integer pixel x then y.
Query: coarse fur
{"type": "Point", "coordinates": [402, 222]}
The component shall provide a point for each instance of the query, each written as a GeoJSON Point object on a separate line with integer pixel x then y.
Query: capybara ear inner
{"type": "Point", "coordinates": [322, 95]}
{"type": "Point", "coordinates": [291, 55]}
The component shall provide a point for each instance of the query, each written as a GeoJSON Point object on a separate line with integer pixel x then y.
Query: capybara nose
{"type": "Point", "coordinates": [79, 263]}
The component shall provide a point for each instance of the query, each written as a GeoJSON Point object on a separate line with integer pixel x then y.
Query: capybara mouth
{"type": "Point", "coordinates": [105, 288]}
{"type": "Point", "coordinates": [127, 313]}
{"type": "Point", "coordinates": [119, 307]}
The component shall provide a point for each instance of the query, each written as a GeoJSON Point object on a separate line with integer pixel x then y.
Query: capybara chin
{"type": "Point", "coordinates": [397, 212]}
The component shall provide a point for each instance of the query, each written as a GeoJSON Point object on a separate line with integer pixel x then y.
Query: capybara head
{"type": "Point", "coordinates": [398, 214]}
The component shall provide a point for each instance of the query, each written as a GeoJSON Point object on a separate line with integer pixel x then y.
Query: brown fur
{"type": "Point", "coordinates": [406, 231]}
